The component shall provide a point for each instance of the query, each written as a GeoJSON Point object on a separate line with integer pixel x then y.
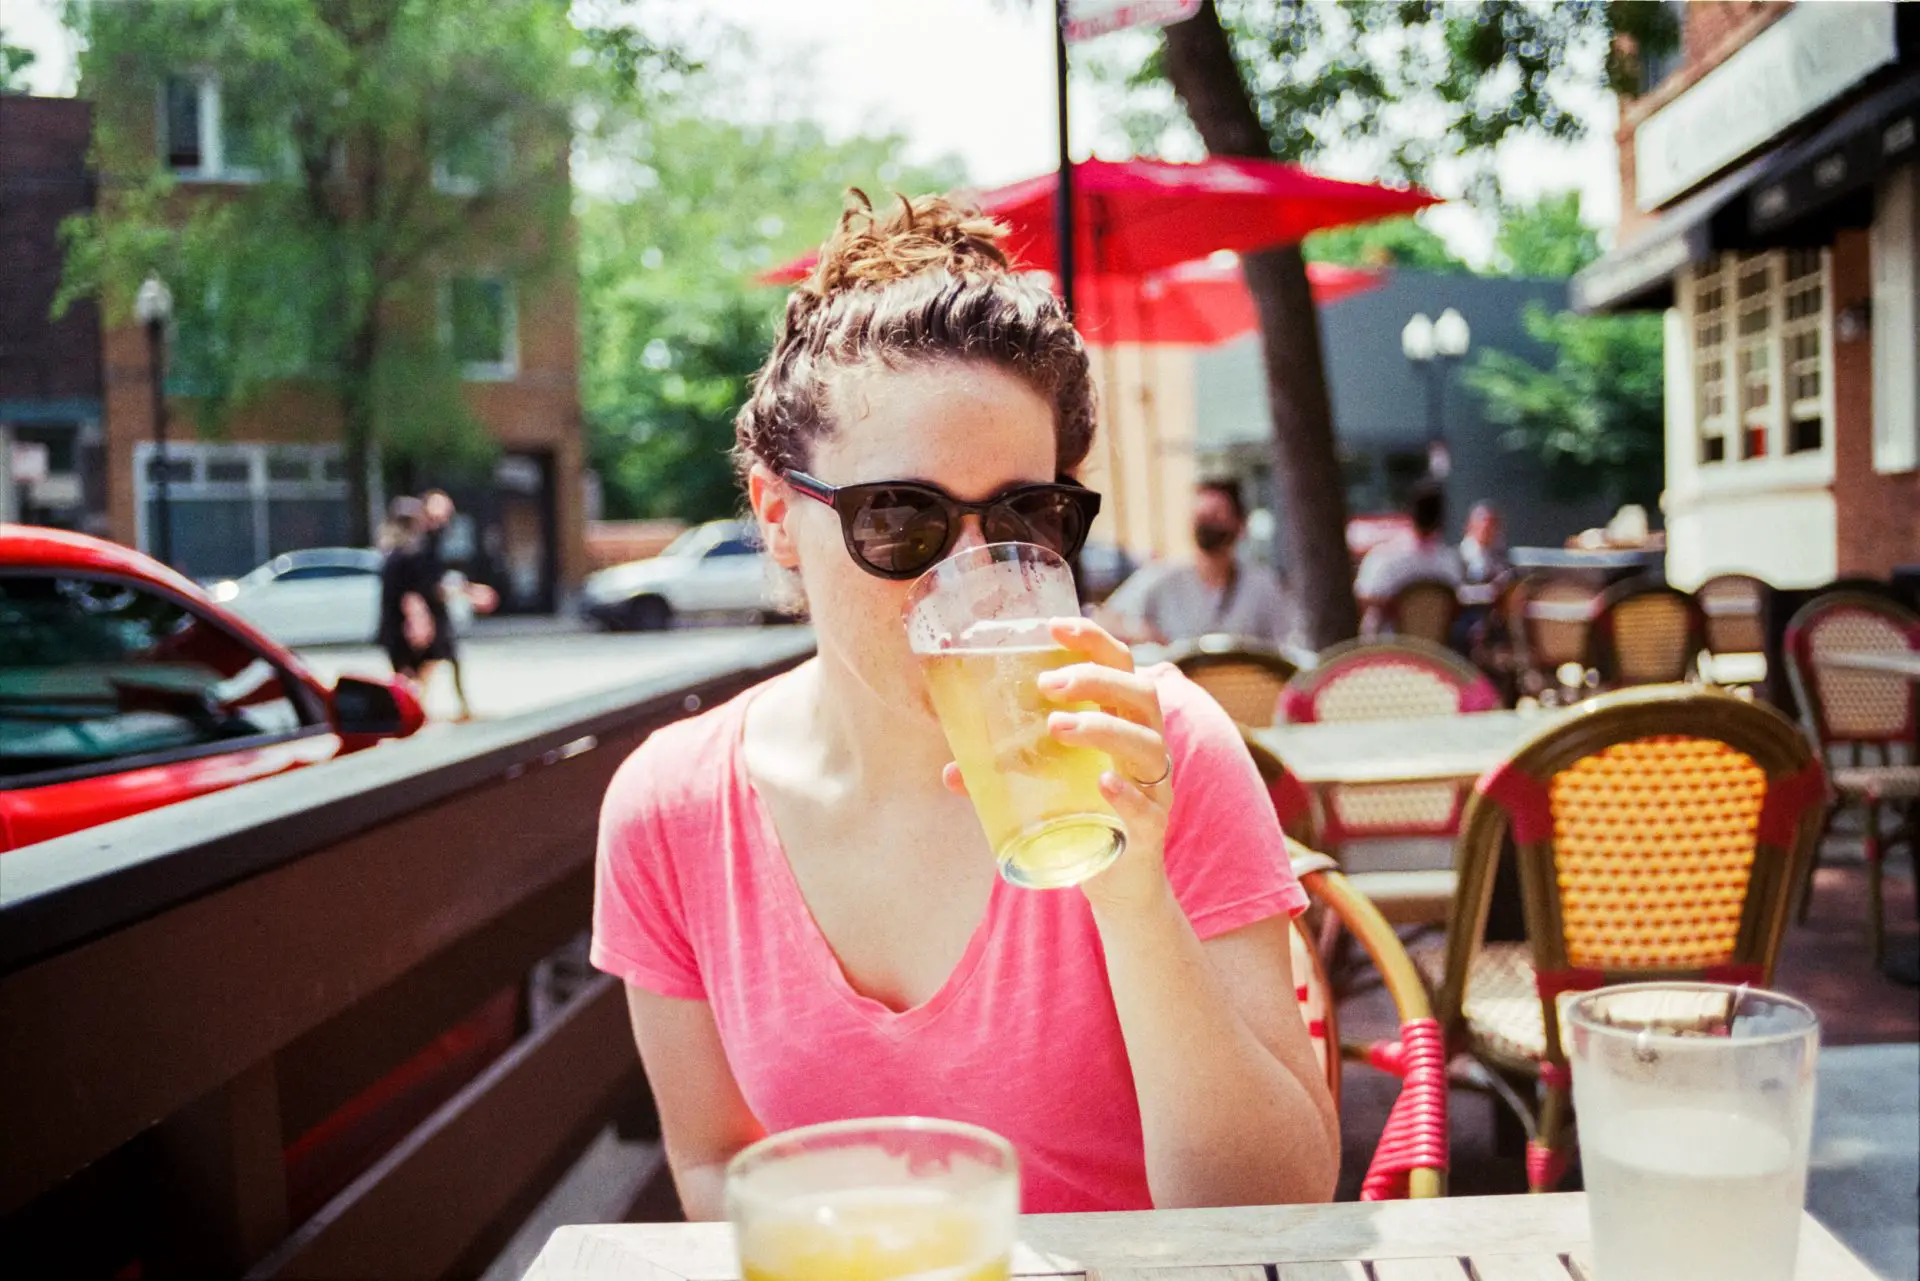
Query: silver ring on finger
{"type": "Point", "coordinates": [1165, 774]}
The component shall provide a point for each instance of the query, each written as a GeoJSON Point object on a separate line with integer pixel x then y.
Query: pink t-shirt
{"type": "Point", "coordinates": [695, 898]}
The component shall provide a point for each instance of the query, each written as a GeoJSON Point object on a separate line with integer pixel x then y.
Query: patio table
{"type": "Point", "coordinates": [1496, 1238]}
{"type": "Point", "coordinates": [1423, 749]}
{"type": "Point", "coordinates": [1893, 663]}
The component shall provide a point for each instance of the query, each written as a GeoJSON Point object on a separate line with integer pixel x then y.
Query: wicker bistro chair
{"type": "Point", "coordinates": [1411, 1157]}
{"type": "Point", "coordinates": [1861, 714]}
{"type": "Point", "coordinates": [1548, 619]}
{"type": "Point", "coordinates": [1420, 896]}
{"type": "Point", "coordinates": [1383, 680]}
{"type": "Point", "coordinates": [1423, 610]}
{"type": "Point", "coordinates": [1244, 676]}
{"type": "Point", "coordinates": [1645, 633]}
{"type": "Point", "coordinates": [1658, 834]}
{"type": "Point", "coordinates": [1735, 609]}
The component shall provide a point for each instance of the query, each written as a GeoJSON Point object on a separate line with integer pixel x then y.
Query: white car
{"type": "Point", "coordinates": [322, 596]}
{"type": "Point", "coordinates": [713, 568]}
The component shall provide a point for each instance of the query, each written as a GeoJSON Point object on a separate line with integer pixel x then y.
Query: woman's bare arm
{"type": "Point", "coordinates": [703, 1117]}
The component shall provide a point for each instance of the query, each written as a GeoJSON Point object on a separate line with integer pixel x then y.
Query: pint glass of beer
{"type": "Point", "coordinates": [882, 1199]}
{"type": "Point", "coordinates": [978, 622]}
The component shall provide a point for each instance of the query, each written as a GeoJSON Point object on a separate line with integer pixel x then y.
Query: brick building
{"type": "Point", "coordinates": [1772, 208]}
{"type": "Point", "coordinates": [274, 478]}
{"type": "Point", "coordinates": [50, 433]}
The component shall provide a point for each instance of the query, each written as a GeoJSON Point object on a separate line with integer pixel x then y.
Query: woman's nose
{"type": "Point", "coordinates": [972, 534]}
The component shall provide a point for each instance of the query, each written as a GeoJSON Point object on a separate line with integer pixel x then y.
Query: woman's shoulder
{"type": "Point", "coordinates": [682, 769]}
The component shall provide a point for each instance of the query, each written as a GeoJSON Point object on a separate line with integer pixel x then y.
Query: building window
{"type": "Point", "coordinates": [206, 134]}
{"type": "Point", "coordinates": [1760, 353]}
{"type": "Point", "coordinates": [475, 162]}
{"type": "Point", "coordinates": [1710, 361]}
{"type": "Point", "coordinates": [480, 327]}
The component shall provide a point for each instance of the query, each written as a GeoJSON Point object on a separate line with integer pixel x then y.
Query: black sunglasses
{"type": "Point", "coordinates": [901, 528]}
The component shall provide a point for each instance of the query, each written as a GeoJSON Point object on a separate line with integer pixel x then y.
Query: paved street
{"type": "Point", "coordinates": [514, 666]}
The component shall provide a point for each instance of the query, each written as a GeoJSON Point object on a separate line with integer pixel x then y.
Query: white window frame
{"type": "Point", "coordinates": [213, 159]}
{"type": "Point", "coordinates": [1776, 417]}
{"type": "Point", "coordinates": [485, 371]}
{"type": "Point", "coordinates": [500, 142]}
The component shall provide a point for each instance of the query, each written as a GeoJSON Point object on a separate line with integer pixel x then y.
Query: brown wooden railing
{"type": "Point", "coordinates": [190, 998]}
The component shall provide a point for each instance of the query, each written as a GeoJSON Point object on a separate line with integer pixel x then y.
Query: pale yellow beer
{"type": "Point", "coordinates": [879, 1234]}
{"type": "Point", "coordinates": [1038, 799]}
{"type": "Point", "coordinates": [877, 1199]}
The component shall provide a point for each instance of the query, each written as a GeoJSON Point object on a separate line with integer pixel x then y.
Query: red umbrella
{"type": "Point", "coordinates": [1137, 216]}
{"type": "Point", "coordinates": [1195, 304]}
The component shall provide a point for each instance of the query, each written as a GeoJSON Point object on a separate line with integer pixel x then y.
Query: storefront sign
{"type": "Point", "coordinates": [1799, 64]}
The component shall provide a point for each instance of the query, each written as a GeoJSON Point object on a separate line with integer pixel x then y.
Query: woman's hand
{"type": "Point", "coordinates": [1128, 727]}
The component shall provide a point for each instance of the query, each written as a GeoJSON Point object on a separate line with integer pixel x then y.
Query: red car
{"type": "Point", "coordinates": [123, 687]}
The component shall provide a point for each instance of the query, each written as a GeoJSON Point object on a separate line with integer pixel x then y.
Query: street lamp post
{"type": "Point", "coordinates": [153, 308]}
{"type": "Point", "coordinates": [1433, 347]}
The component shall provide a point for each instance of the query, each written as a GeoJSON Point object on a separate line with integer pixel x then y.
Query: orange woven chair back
{"type": "Point", "coordinates": [1734, 607]}
{"type": "Point", "coordinates": [1844, 705]}
{"type": "Point", "coordinates": [1424, 611]}
{"type": "Point", "coordinates": [1245, 681]}
{"type": "Point", "coordinates": [1387, 680]}
{"type": "Point", "coordinates": [1646, 634]}
{"type": "Point", "coordinates": [1660, 832]}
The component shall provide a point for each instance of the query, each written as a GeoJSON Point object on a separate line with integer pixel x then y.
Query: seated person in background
{"type": "Point", "coordinates": [1218, 593]}
{"type": "Point", "coordinates": [1483, 550]}
{"type": "Point", "coordinates": [1394, 564]}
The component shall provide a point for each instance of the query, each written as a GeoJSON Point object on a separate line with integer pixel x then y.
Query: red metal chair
{"type": "Point", "coordinates": [1658, 834]}
{"type": "Point", "coordinates": [1861, 714]}
{"type": "Point", "coordinates": [1411, 1157]}
{"type": "Point", "coordinates": [1386, 680]}
{"type": "Point", "coordinates": [1645, 633]}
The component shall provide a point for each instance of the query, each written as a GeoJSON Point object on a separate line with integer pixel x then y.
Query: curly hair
{"type": "Point", "coordinates": [926, 281]}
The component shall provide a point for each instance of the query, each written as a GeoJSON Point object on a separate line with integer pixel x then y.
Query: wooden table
{"type": "Point", "coordinates": [1505, 1238]}
{"type": "Point", "coordinates": [1422, 749]}
{"type": "Point", "coordinates": [1889, 661]}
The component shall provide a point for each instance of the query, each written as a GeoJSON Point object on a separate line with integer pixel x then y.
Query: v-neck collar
{"type": "Point", "coordinates": [785, 885]}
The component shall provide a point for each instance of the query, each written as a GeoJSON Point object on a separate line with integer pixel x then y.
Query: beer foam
{"type": "Point", "coordinates": [1004, 633]}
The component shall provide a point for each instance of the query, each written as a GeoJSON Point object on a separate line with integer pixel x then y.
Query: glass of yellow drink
{"type": "Point", "coordinates": [978, 622]}
{"type": "Point", "coordinates": [886, 1199]}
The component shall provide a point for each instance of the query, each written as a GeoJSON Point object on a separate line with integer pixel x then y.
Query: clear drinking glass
{"type": "Point", "coordinates": [978, 624]}
{"type": "Point", "coordinates": [1695, 1103]}
{"type": "Point", "coordinates": [887, 1199]}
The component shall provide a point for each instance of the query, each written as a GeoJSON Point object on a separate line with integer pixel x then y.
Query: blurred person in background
{"type": "Point", "coordinates": [407, 589]}
{"type": "Point", "coordinates": [1483, 548]}
{"type": "Point", "coordinates": [1219, 593]}
{"type": "Point", "coordinates": [438, 512]}
{"type": "Point", "coordinates": [1420, 557]}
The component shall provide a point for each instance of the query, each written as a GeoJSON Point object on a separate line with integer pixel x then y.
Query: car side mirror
{"type": "Point", "coordinates": [368, 710]}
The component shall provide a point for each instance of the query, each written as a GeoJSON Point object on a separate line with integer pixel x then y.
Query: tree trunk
{"type": "Point", "coordinates": [1306, 461]}
{"type": "Point", "coordinates": [357, 429]}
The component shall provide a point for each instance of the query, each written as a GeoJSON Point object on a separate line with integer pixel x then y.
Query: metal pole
{"type": "Point", "coordinates": [1063, 196]}
{"type": "Point", "coordinates": [163, 511]}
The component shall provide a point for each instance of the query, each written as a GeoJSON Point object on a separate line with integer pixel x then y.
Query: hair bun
{"type": "Point", "coordinates": [930, 233]}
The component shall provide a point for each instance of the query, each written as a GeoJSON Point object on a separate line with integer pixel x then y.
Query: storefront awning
{"type": "Point", "coordinates": [1639, 274]}
{"type": "Point", "coordinates": [1812, 179]}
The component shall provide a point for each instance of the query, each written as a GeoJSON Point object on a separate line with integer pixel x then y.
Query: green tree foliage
{"type": "Point", "coordinates": [1395, 242]}
{"type": "Point", "coordinates": [673, 321]}
{"type": "Point", "coordinates": [390, 146]}
{"type": "Point", "coordinates": [14, 62]}
{"type": "Point", "coordinates": [1546, 238]}
{"type": "Point", "coordinates": [1596, 417]}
